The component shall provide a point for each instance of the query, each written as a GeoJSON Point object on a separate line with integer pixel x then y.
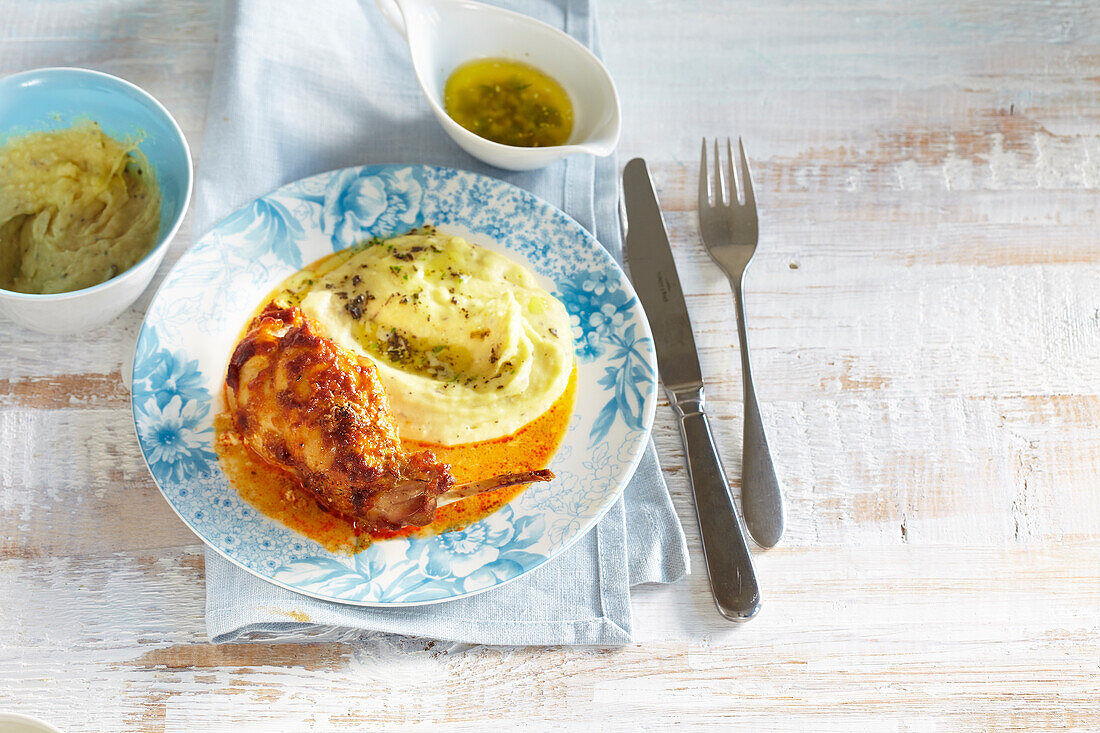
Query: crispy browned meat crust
{"type": "Point", "coordinates": [312, 408]}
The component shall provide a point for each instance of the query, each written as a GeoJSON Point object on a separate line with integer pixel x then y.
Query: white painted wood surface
{"type": "Point", "coordinates": [925, 324]}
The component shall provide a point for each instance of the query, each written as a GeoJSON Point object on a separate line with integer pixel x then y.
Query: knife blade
{"type": "Point", "coordinates": [653, 270]}
{"type": "Point", "coordinates": [656, 281]}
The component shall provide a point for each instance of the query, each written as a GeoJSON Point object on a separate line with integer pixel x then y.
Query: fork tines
{"type": "Point", "coordinates": [727, 190]}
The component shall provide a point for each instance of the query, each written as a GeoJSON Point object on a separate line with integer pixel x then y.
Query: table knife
{"type": "Point", "coordinates": [653, 270]}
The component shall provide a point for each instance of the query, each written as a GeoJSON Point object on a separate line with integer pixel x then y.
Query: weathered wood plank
{"type": "Point", "coordinates": [65, 391]}
{"type": "Point", "coordinates": [962, 469]}
{"type": "Point", "coordinates": [851, 651]}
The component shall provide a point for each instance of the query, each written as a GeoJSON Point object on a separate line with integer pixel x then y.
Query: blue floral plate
{"type": "Point", "coordinates": [197, 314]}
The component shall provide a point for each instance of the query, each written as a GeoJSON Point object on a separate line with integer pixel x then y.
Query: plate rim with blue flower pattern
{"type": "Point", "coordinates": [199, 310]}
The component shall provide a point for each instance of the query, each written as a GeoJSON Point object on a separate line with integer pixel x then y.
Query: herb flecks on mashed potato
{"type": "Point", "coordinates": [467, 343]}
{"type": "Point", "coordinates": [76, 208]}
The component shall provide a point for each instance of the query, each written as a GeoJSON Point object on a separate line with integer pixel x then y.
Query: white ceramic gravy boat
{"type": "Point", "coordinates": [443, 34]}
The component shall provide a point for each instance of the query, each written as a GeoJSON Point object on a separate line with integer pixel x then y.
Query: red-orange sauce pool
{"type": "Point", "coordinates": [278, 495]}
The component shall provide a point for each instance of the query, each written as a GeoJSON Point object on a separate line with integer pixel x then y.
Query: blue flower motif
{"type": "Point", "coordinates": [266, 226]}
{"type": "Point", "coordinates": [598, 306]}
{"type": "Point", "coordinates": [600, 311]}
{"type": "Point", "coordinates": [144, 360]}
{"type": "Point", "coordinates": [462, 552]}
{"type": "Point", "coordinates": [173, 439]}
{"type": "Point", "coordinates": [608, 319]}
{"type": "Point", "coordinates": [328, 576]}
{"type": "Point", "coordinates": [630, 373]}
{"type": "Point", "coordinates": [586, 344]}
{"type": "Point", "coordinates": [601, 284]}
{"type": "Point", "coordinates": [163, 375]}
{"type": "Point", "coordinates": [361, 203]}
{"type": "Point", "coordinates": [483, 554]}
{"type": "Point", "coordinates": [336, 578]}
{"type": "Point", "coordinates": [365, 575]}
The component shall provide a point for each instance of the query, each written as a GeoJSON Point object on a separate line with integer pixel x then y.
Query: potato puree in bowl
{"type": "Point", "coordinates": [76, 208]}
{"type": "Point", "coordinates": [467, 344]}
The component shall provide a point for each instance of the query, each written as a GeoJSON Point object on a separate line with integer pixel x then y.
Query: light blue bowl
{"type": "Point", "coordinates": [51, 99]}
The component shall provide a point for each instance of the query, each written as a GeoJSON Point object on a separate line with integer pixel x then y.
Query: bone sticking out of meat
{"type": "Point", "coordinates": [310, 407]}
{"type": "Point", "coordinates": [474, 488]}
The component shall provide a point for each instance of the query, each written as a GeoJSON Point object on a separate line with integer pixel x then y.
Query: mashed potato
{"type": "Point", "coordinates": [76, 209]}
{"type": "Point", "coordinates": [467, 344]}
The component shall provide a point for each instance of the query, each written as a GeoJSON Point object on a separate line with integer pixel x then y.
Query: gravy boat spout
{"type": "Point", "coordinates": [444, 34]}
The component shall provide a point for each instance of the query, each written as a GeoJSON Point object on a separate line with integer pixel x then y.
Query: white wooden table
{"type": "Point", "coordinates": [925, 323]}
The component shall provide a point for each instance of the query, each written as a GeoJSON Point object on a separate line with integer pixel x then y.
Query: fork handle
{"type": "Point", "coordinates": [729, 564]}
{"type": "Point", "coordinates": [761, 498]}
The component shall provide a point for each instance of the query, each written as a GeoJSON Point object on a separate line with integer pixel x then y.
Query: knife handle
{"type": "Point", "coordinates": [729, 564]}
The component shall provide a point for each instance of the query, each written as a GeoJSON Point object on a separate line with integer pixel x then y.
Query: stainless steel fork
{"type": "Point", "coordinates": [729, 230]}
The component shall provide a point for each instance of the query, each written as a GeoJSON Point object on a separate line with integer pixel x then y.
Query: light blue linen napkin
{"type": "Point", "coordinates": [301, 88]}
